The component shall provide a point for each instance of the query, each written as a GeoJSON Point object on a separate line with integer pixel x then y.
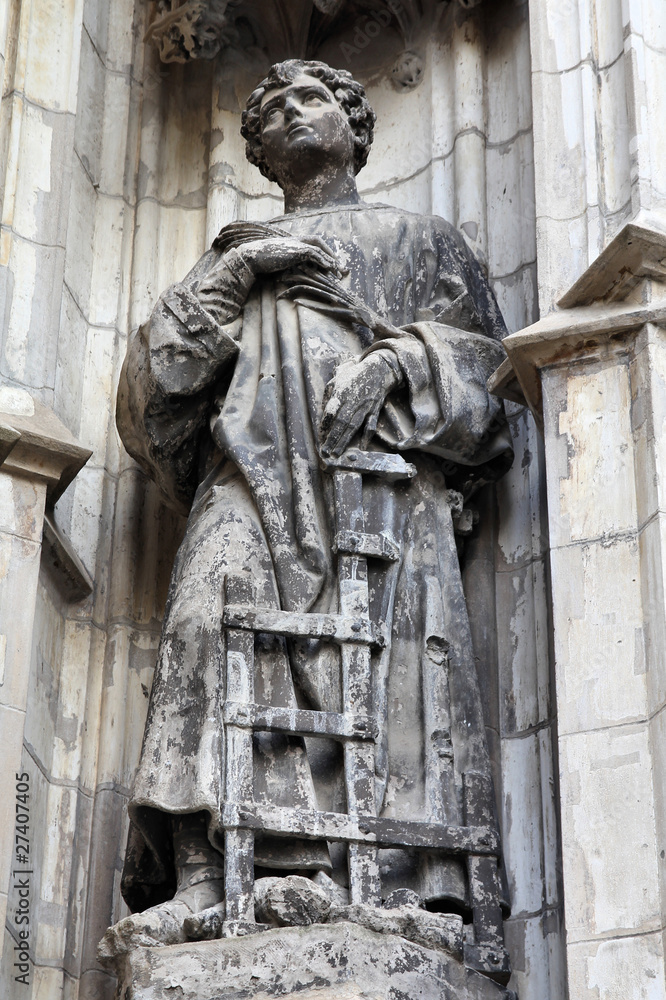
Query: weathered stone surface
{"type": "Point", "coordinates": [402, 897]}
{"type": "Point", "coordinates": [439, 931]}
{"type": "Point", "coordinates": [315, 963]}
{"type": "Point", "coordinates": [292, 901]}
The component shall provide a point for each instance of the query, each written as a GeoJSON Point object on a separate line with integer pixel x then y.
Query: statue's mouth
{"type": "Point", "coordinates": [296, 126]}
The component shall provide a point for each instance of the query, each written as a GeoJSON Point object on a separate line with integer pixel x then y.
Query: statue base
{"type": "Point", "coordinates": [341, 961]}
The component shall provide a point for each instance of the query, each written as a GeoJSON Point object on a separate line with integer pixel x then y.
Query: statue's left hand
{"type": "Point", "coordinates": [354, 397]}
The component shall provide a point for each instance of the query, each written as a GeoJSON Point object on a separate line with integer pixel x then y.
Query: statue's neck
{"type": "Point", "coordinates": [321, 191]}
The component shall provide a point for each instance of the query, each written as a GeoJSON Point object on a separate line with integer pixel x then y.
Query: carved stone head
{"type": "Point", "coordinates": [305, 107]}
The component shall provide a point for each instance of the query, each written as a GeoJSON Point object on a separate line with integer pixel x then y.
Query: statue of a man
{"type": "Point", "coordinates": [340, 323]}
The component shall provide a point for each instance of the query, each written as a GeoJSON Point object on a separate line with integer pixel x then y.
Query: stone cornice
{"type": "Point", "coordinates": [637, 253]}
{"type": "Point", "coordinates": [623, 289]}
{"type": "Point", "coordinates": [36, 444]}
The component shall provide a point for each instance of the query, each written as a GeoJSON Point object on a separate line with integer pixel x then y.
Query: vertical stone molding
{"type": "Point", "coordinates": [593, 374]}
{"type": "Point", "coordinates": [597, 89]}
{"type": "Point", "coordinates": [38, 460]}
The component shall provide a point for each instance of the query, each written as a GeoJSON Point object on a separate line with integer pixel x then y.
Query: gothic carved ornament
{"type": "Point", "coordinates": [184, 30]}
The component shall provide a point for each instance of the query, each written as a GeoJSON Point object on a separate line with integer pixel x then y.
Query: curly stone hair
{"type": "Point", "coordinates": [349, 94]}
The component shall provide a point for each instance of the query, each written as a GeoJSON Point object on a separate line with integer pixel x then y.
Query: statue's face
{"type": "Point", "coordinates": [301, 120]}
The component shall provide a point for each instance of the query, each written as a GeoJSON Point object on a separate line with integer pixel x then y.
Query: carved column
{"type": "Point", "coordinates": [594, 373]}
{"type": "Point", "coordinates": [38, 460]}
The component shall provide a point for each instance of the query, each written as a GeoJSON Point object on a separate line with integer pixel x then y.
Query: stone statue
{"type": "Point", "coordinates": [339, 329]}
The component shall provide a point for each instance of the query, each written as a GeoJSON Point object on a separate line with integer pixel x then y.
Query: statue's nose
{"type": "Point", "coordinates": [292, 108]}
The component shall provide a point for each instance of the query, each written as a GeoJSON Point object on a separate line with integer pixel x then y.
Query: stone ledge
{"type": "Point", "coordinates": [621, 291]}
{"type": "Point", "coordinates": [560, 338]}
{"type": "Point", "coordinates": [638, 252]}
{"type": "Point", "coordinates": [341, 962]}
{"type": "Point", "coordinates": [37, 444]}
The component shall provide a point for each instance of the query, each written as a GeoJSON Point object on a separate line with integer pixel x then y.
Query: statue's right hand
{"type": "Point", "coordinates": [270, 255]}
{"type": "Point", "coordinates": [274, 254]}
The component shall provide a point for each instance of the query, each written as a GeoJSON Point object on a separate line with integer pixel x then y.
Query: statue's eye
{"type": "Point", "coordinates": [273, 114]}
{"type": "Point", "coordinates": [312, 97]}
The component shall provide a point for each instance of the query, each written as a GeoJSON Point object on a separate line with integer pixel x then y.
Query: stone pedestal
{"type": "Point", "coordinates": [594, 375]}
{"type": "Point", "coordinates": [323, 962]}
{"type": "Point", "coordinates": [38, 460]}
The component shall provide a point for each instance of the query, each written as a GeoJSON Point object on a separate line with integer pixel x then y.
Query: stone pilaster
{"type": "Point", "coordinates": [38, 460]}
{"type": "Point", "coordinates": [593, 373]}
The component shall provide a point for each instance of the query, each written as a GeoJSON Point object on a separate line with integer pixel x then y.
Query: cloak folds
{"type": "Point", "coordinates": [221, 406]}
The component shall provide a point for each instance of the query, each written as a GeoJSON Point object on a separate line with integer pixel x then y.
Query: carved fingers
{"type": "Point", "coordinates": [354, 397]}
{"type": "Point", "coordinates": [272, 255]}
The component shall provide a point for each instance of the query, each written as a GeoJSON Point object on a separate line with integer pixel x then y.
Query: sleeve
{"type": "Point", "coordinates": [445, 359]}
{"type": "Point", "coordinates": [450, 285]}
{"type": "Point", "coordinates": [172, 366]}
{"type": "Point", "coordinates": [444, 405]}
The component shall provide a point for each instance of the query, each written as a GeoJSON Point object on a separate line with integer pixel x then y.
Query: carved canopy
{"type": "Point", "coordinates": [184, 30]}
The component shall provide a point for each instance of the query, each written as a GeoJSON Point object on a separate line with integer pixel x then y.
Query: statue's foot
{"type": "Point", "coordinates": [290, 901]}
{"type": "Point", "coordinates": [199, 899]}
{"type": "Point", "coordinates": [206, 925]}
{"type": "Point", "coordinates": [159, 925]}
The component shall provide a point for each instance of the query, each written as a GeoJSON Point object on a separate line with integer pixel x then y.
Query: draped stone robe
{"type": "Point", "coordinates": [225, 417]}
